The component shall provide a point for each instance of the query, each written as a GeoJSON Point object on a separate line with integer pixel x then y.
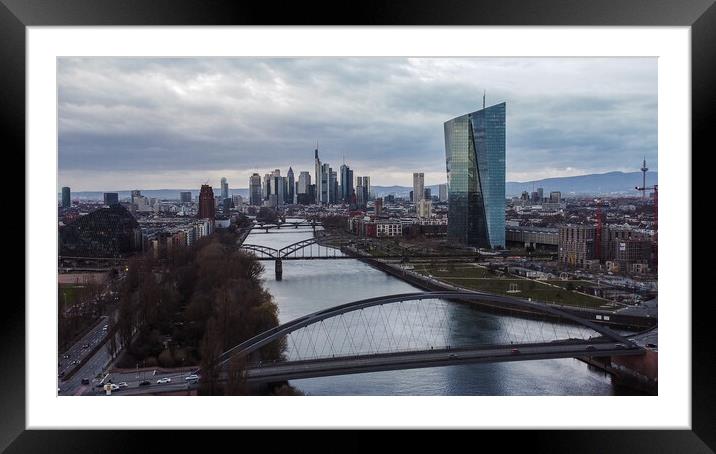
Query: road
{"type": "Point", "coordinates": [178, 382]}
{"type": "Point", "coordinates": [69, 359]}
{"type": "Point", "coordinates": [444, 357]}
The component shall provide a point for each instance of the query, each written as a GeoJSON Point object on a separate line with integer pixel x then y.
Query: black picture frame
{"type": "Point", "coordinates": [16, 15]}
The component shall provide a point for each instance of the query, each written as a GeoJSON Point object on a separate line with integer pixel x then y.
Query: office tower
{"type": "Point", "coordinates": [346, 183]}
{"type": "Point", "coordinates": [418, 187]}
{"type": "Point", "coordinates": [443, 192]}
{"type": "Point", "coordinates": [333, 185]}
{"type": "Point", "coordinates": [555, 197]}
{"type": "Point", "coordinates": [226, 206]}
{"type": "Point", "coordinates": [255, 189]}
{"type": "Point", "coordinates": [277, 195]}
{"type": "Point", "coordinates": [324, 184]}
{"type": "Point", "coordinates": [540, 194]}
{"type": "Point", "coordinates": [267, 186]}
{"type": "Point", "coordinates": [424, 208]}
{"type": "Point", "coordinates": [304, 181]}
{"type": "Point", "coordinates": [362, 188]}
{"type": "Point", "coordinates": [366, 187]}
{"type": "Point", "coordinates": [291, 186]}
{"type": "Point", "coordinates": [318, 170]}
{"type": "Point", "coordinates": [66, 197]}
{"type": "Point", "coordinates": [379, 206]}
{"type": "Point", "coordinates": [111, 198]}
{"type": "Point", "coordinates": [206, 203]}
{"type": "Point", "coordinates": [427, 193]}
{"type": "Point", "coordinates": [475, 164]}
{"type": "Point", "coordinates": [236, 200]}
{"type": "Point", "coordinates": [185, 197]}
{"type": "Point", "coordinates": [411, 196]}
{"type": "Point", "coordinates": [224, 189]}
{"type": "Point", "coordinates": [525, 196]}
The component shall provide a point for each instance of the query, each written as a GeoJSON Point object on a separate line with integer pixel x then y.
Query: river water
{"type": "Point", "coordinates": [311, 285]}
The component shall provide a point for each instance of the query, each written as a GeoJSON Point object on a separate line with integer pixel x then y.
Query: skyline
{"type": "Point", "coordinates": [176, 123]}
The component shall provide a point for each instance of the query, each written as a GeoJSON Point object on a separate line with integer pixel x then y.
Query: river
{"type": "Point", "coordinates": [311, 285]}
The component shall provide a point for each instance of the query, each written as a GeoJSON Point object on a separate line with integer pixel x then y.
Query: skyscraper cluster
{"type": "Point", "coordinates": [326, 187]}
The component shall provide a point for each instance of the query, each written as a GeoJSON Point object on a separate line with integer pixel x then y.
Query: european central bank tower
{"type": "Point", "coordinates": [475, 158]}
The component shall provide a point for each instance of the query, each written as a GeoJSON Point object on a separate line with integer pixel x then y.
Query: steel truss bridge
{"type": "Point", "coordinates": [316, 249]}
{"type": "Point", "coordinates": [417, 330]}
{"type": "Point", "coordinates": [285, 225]}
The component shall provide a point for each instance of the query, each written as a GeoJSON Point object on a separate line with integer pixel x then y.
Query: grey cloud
{"type": "Point", "coordinates": [137, 116]}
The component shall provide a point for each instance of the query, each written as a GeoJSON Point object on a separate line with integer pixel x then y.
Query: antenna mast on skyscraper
{"type": "Point", "coordinates": [484, 92]}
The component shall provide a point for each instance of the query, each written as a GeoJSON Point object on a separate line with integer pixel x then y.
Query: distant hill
{"type": "Point", "coordinates": [610, 183]}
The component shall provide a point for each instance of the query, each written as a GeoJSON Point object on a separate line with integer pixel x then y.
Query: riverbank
{"type": "Point", "coordinates": [608, 318]}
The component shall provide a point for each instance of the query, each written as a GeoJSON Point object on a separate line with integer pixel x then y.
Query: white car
{"type": "Point", "coordinates": [113, 387]}
{"type": "Point", "coordinates": [192, 377]}
{"type": "Point", "coordinates": [123, 384]}
{"type": "Point", "coordinates": [164, 380]}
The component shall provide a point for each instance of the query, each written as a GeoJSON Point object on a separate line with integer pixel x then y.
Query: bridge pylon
{"type": "Point", "coordinates": [279, 269]}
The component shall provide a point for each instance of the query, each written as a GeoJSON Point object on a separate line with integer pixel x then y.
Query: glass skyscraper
{"type": "Point", "coordinates": [475, 158]}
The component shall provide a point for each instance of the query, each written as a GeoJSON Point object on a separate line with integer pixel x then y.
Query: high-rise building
{"type": "Point", "coordinates": [302, 188]}
{"type": "Point", "coordinates": [418, 187]}
{"type": "Point", "coordinates": [319, 179]}
{"type": "Point", "coordinates": [555, 197]}
{"type": "Point", "coordinates": [185, 197]}
{"type": "Point", "coordinates": [366, 187]}
{"type": "Point", "coordinates": [428, 194]}
{"type": "Point", "coordinates": [111, 198]}
{"type": "Point", "coordinates": [540, 194]}
{"type": "Point", "coordinates": [224, 189]}
{"type": "Point", "coordinates": [255, 189]}
{"type": "Point", "coordinates": [346, 184]}
{"type": "Point", "coordinates": [206, 203]}
{"type": "Point", "coordinates": [291, 186]}
{"type": "Point", "coordinates": [333, 185]}
{"type": "Point", "coordinates": [362, 188]}
{"type": "Point", "coordinates": [66, 197]}
{"type": "Point", "coordinates": [443, 192]}
{"type": "Point", "coordinates": [379, 206]}
{"type": "Point", "coordinates": [475, 163]}
{"type": "Point", "coordinates": [267, 186]}
{"type": "Point", "coordinates": [325, 184]}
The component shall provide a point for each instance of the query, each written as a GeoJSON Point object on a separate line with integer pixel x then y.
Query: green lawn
{"type": "Point", "coordinates": [478, 278]}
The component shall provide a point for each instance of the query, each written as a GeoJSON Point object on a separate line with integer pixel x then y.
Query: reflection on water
{"type": "Point", "coordinates": [311, 285]}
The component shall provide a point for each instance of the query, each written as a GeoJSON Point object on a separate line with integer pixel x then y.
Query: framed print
{"type": "Point", "coordinates": [395, 217]}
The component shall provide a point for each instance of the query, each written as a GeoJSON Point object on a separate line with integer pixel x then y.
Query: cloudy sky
{"type": "Point", "coordinates": [160, 123]}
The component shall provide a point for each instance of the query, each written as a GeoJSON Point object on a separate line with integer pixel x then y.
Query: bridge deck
{"type": "Point", "coordinates": [280, 371]}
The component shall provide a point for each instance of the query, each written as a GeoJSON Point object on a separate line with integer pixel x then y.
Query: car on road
{"type": "Point", "coordinates": [164, 380]}
{"type": "Point", "coordinates": [515, 351]}
{"type": "Point", "coordinates": [619, 346]}
{"type": "Point", "coordinates": [85, 381]}
{"type": "Point", "coordinates": [65, 356]}
{"type": "Point", "coordinates": [113, 387]}
{"type": "Point", "coordinates": [123, 384]}
{"type": "Point", "coordinates": [144, 383]}
{"type": "Point", "coordinates": [650, 345]}
{"type": "Point", "coordinates": [591, 347]}
{"type": "Point", "coordinates": [85, 345]}
{"type": "Point", "coordinates": [453, 355]}
{"type": "Point", "coordinates": [192, 377]}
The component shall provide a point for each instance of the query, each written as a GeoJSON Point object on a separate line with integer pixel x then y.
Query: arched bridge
{"type": "Point", "coordinates": [310, 249]}
{"type": "Point", "coordinates": [416, 330]}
